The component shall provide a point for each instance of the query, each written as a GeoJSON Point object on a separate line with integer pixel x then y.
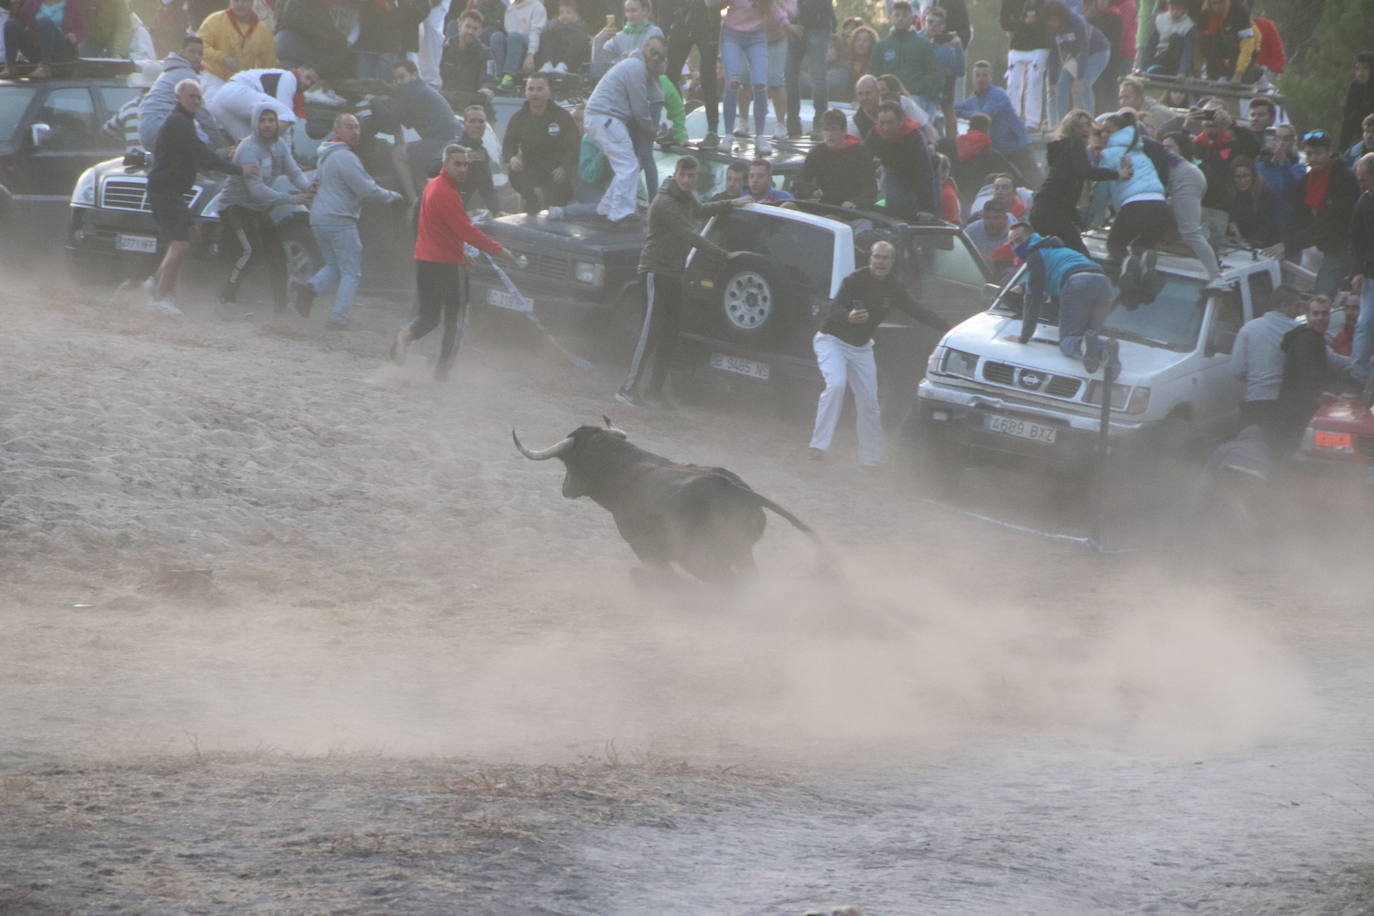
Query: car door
{"type": "Point", "coordinates": [63, 139]}
{"type": "Point", "coordinates": [1216, 402]}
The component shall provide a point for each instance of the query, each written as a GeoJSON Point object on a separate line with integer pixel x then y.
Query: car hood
{"type": "Point", "coordinates": [994, 336]}
{"type": "Point", "coordinates": [591, 232]}
{"type": "Point", "coordinates": [1348, 415]}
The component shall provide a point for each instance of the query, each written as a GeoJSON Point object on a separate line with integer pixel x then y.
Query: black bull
{"type": "Point", "coordinates": [707, 520]}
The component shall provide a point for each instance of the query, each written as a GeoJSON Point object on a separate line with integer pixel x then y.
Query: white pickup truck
{"type": "Point", "coordinates": [987, 398]}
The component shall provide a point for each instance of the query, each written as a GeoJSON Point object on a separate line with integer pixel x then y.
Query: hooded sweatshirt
{"type": "Point", "coordinates": [606, 50]}
{"type": "Point", "coordinates": [844, 174]}
{"type": "Point", "coordinates": [1257, 356]}
{"type": "Point", "coordinates": [908, 161]}
{"type": "Point", "coordinates": [344, 185]}
{"type": "Point", "coordinates": [273, 159]}
{"type": "Point", "coordinates": [527, 17]}
{"type": "Point", "coordinates": [159, 101]}
{"type": "Point", "coordinates": [1144, 184]}
{"type": "Point", "coordinates": [224, 36]}
{"type": "Point", "coordinates": [626, 92]}
{"type": "Point", "coordinates": [1049, 263]}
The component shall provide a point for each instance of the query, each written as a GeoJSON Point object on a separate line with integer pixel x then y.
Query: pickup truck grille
{"type": "Point", "coordinates": [1056, 386]}
{"type": "Point", "coordinates": [131, 194]}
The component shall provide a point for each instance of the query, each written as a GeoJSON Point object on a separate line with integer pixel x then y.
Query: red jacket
{"type": "Point", "coordinates": [445, 226]}
{"type": "Point", "coordinates": [73, 19]}
{"type": "Point", "coordinates": [1271, 54]}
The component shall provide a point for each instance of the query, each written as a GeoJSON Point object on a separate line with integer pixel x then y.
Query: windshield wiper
{"type": "Point", "coordinates": [1137, 337]}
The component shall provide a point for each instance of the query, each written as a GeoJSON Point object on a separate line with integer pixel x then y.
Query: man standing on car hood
{"type": "Point", "coordinates": [844, 349]}
{"type": "Point", "coordinates": [178, 155]}
{"type": "Point", "coordinates": [621, 108]}
{"type": "Point", "coordinates": [672, 234]}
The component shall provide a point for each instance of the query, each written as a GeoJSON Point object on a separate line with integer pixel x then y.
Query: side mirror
{"type": "Point", "coordinates": [39, 133]}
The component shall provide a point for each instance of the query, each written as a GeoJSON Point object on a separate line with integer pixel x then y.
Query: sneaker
{"type": "Point", "coordinates": [304, 294]}
{"type": "Point", "coordinates": [1111, 356]}
{"type": "Point", "coordinates": [398, 346]}
{"type": "Point", "coordinates": [781, 133]}
{"type": "Point", "coordinates": [1092, 352]}
{"type": "Point", "coordinates": [507, 81]}
{"type": "Point", "coordinates": [628, 398]}
{"type": "Point", "coordinates": [164, 307]}
{"type": "Point", "coordinates": [555, 213]}
{"type": "Point", "coordinates": [710, 141]}
{"type": "Point", "coordinates": [762, 147]}
{"type": "Point", "coordinates": [561, 67]}
{"type": "Point", "coordinates": [547, 68]}
{"type": "Point", "coordinates": [794, 130]}
{"type": "Point", "coordinates": [743, 133]}
{"type": "Point", "coordinates": [815, 454]}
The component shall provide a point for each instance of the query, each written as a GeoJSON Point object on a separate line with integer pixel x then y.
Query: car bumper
{"type": "Point", "coordinates": [973, 422]}
{"type": "Point", "coordinates": [554, 301]}
{"type": "Point", "coordinates": [699, 353]}
{"type": "Point", "coordinates": [95, 234]}
{"type": "Point", "coordinates": [1343, 471]}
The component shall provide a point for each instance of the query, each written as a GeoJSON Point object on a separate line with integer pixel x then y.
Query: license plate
{"type": "Point", "coordinates": [504, 300]}
{"type": "Point", "coordinates": [1022, 429]}
{"type": "Point", "coordinates": [750, 367]}
{"type": "Point", "coordinates": [143, 243]}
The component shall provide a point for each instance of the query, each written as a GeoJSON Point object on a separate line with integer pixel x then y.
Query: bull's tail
{"type": "Point", "coordinates": [823, 554]}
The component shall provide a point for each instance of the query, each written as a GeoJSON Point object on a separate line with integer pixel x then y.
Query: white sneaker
{"type": "Point", "coordinates": [547, 68]}
{"type": "Point", "coordinates": [780, 132]}
{"type": "Point", "coordinates": [560, 68]}
{"type": "Point", "coordinates": [762, 147]}
{"type": "Point", "coordinates": [743, 133]}
{"type": "Point", "coordinates": [150, 286]}
{"type": "Point", "coordinates": [163, 307]}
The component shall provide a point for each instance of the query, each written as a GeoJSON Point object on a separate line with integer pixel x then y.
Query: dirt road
{"type": "Point", "coordinates": [291, 630]}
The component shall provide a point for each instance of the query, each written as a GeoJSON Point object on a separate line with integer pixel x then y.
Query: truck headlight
{"type": "Point", "coordinates": [589, 273]}
{"type": "Point", "coordinates": [1120, 395]}
{"type": "Point", "coordinates": [83, 195]}
{"type": "Point", "coordinates": [960, 364]}
{"type": "Point", "coordinates": [1139, 401]}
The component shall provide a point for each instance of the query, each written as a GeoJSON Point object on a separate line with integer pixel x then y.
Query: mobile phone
{"type": "Point", "coordinates": [610, 20]}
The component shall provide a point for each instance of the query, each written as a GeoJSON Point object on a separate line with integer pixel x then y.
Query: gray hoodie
{"type": "Point", "coordinates": [159, 101]}
{"type": "Point", "coordinates": [344, 185]}
{"type": "Point", "coordinates": [1257, 356]}
{"type": "Point", "coordinates": [273, 158]}
{"type": "Point", "coordinates": [626, 92]}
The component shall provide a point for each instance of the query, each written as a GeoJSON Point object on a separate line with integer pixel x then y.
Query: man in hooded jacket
{"type": "Point", "coordinates": [247, 204]}
{"type": "Point", "coordinates": [672, 234]}
{"type": "Point", "coordinates": [160, 100]}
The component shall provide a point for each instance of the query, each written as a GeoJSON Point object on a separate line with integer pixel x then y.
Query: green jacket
{"type": "Point", "coordinates": [677, 113]}
{"type": "Point", "coordinates": [909, 56]}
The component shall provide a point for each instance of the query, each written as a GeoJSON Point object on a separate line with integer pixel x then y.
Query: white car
{"type": "Point", "coordinates": [987, 397]}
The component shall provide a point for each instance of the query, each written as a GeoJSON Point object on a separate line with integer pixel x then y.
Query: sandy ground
{"type": "Point", "coordinates": [291, 630]}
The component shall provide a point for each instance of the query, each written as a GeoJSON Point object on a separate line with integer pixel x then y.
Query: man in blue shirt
{"type": "Point", "coordinates": [761, 184]}
{"type": "Point", "coordinates": [1008, 131]}
{"type": "Point", "coordinates": [1084, 293]}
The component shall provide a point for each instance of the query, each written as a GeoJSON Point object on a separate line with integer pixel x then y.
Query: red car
{"type": "Point", "coordinates": [1339, 440]}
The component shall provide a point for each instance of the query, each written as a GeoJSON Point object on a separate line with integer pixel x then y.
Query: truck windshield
{"type": "Point", "coordinates": [1172, 321]}
{"type": "Point", "coordinates": [14, 101]}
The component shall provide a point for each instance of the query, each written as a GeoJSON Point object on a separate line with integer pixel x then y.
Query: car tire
{"type": "Point", "coordinates": [754, 298]}
{"type": "Point", "coordinates": [302, 253]}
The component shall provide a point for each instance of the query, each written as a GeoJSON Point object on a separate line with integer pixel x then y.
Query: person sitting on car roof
{"type": "Point", "coordinates": [416, 104]}
{"type": "Point", "coordinates": [246, 205]}
{"type": "Point", "coordinates": [46, 32]}
{"type": "Point", "coordinates": [540, 149]}
{"type": "Point", "coordinates": [468, 65]}
{"type": "Point", "coordinates": [844, 350]}
{"type": "Point", "coordinates": [839, 170]}
{"type": "Point", "coordinates": [1083, 290]}
{"type": "Point", "coordinates": [234, 40]}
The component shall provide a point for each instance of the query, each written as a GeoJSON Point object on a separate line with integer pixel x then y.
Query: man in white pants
{"type": "Point", "coordinates": [237, 100]}
{"type": "Point", "coordinates": [621, 108]}
{"type": "Point", "coordinates": [844, 349]}
{"type": "Point", "coordinates": [1028, 59]}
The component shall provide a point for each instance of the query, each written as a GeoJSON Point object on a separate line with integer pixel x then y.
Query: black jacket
{"type": "Point", "coordinates": [1024, 36]}
{"type": "Point", "coordinates": [179, 154]}
{"type": "Point", "coordinates": [465, 69]}
{"type": "Point", "coordinates": [544, 142]}
{"type": "Point", "coordinates": [1306, 375]}
{"type": "Point", "coordinates": [1328, 226]}
{"type": "Point", "coordinates": [567, 44]}
{"type": "Point", "coordinates": [673, 230]}
{"type": "Point", "coordinates": [1069, 166]}
{"type": "Point", "coordinates": [863, 290]}
{"type": "Point", "coordinates": [841, 175]}
{"type": "Point", "coordinates": [908, 161]}
{"type": "Point", "coordinates": [1359, 102]}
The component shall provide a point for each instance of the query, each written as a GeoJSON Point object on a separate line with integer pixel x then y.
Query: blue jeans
{"type": "Point", "coordinates": [812, 48]}
{"type": "Point", "coordinates": [1334, 268]}
{"type": "Point", "coordinates": [517, 44]}
{"type": "Point", "coordinates": [1090, 68]}
{"type": "Point", "coordinates": [342, 251]}
{"type": "Point", "coordinates": [735, 49]}
{"type": "Point", "coordinates": [1084, 300]}
{"type": "Point", "coordinates": [1364, 333]}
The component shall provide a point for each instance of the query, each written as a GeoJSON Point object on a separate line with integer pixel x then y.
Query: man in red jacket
{"type": "Point", "coordinates": [440, 280]}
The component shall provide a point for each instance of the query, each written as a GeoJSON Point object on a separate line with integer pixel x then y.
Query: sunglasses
{"type": "Point", "coordinates": [1314, 135]}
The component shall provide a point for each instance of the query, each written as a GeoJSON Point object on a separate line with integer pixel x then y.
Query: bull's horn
{"type": "Point", "coordinates": [552, 451]}
{"type": "Point", "coordinates": [613, 429]}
